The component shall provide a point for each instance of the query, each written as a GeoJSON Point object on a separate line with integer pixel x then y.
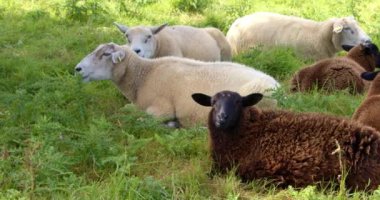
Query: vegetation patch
{"type": "Point", "coordinates": [64, 139]}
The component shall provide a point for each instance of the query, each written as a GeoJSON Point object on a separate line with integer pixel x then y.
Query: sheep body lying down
{"type": "Point", "coordinates": [206, 44]}
{"type": "Point", "coordinates": [368, 112]}
{"type": "Point", "coordinates": [163, 86]}
{"type": "Point", "coordinates": [310, 39]}
{"type": "Point", "coordinates": [289, 148]}
{"type": "Point", "coordinates": [339, 73]}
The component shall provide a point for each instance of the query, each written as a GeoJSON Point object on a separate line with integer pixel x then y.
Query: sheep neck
{"type": "Point", "coordinates": [330, 36]}
{"type": "Point", "coordinates": [363, 60]}
{"type": "Point", "coordinates": [130, 74]}
{"type": "Point", "coordinates": [157, 48]}
{"type": "Point", "coordinates": [375, 87]}
{"type": "Point", "coordinates": [228, 145]}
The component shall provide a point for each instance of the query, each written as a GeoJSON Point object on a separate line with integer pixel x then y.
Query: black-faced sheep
{"type": "Point", "coordinates": [310, 39]}
{"type": "Point", "coordinates": [339, 73]}
{"type": "Point", "coordinates": [289, 148]}
{"type": "Point", "coordinates": [368, 112]}
{"type": "Point", "coordinates": [163, 86]}
{"type": "Point", "coordinates": [206, 44]}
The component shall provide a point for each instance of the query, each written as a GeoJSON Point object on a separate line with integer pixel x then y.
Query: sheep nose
{"type": "Point", "coordinates": [137, 50]}
{"type": "Point", "coordinates": [78, 69]}
{"type": "Point", "coordinates": [368, 41]}
{"type": "Point", "coordinates": [223, 116]}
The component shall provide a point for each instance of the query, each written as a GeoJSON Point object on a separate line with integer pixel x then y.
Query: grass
{"type": "Point", "coordinates": [62, 139]}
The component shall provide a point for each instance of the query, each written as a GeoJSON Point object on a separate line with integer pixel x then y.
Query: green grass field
{"type": "Point", "coordinates": [63, 139]}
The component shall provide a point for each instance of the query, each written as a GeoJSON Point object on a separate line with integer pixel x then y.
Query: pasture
{"type": "Point", "coordinates": [64, 139]}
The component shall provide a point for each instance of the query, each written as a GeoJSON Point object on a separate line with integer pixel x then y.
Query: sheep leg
{"type": "Point", "coordinates": [165, 111]}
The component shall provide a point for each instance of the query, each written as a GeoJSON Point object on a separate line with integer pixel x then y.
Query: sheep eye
{"type": "Point", "coordinates": [106, 54]}
{"type": "Point", "coordinates": [147, 38]}
{"type": "Point", "coordinates": [347, 29]}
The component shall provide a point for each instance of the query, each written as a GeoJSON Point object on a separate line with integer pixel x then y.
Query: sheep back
{"type": "Point", "coordinates": [296, 149]}
{"type": "Point", "coordinates": [330, 75]}
{"type": "Point", "coordinates": [189, 42]}
{"type": "Point", "coordinates": [224, 46]}
{"type": "Point", "coordinates": [368, 112]}
{"type": "Point", "coordinates": [270, 29]}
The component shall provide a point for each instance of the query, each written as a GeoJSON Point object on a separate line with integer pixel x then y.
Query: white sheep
{"type": "Point", "coordinates": [310, 39]}
{"type": "Point", "coordinates": [163, 86]}
{"type": "Point", "coordinates": [206, 44]}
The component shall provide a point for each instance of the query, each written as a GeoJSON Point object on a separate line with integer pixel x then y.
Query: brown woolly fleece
{"type": "Point", "coordinates": [368, 112]}
{"type": "Point", "coordinates": [297, 149]}
{"type": "Point", "coordinates": [336, 73]}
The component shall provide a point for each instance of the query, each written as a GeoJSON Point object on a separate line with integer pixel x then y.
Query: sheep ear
{"type": "Point", "coordinates": [157, 29]}
{"type": "Point", "coordinates": [202, 99]}
{"type": "Point", "coordinates": [118, 56]}
{"type": "Point", "coordinates": [252, 99]}
{"type": "Point", "coordinates": [368, 48]}
{"type": "Point", "coordinates": [347, 47]}
{"type": "Point", "coordinates": [337, 27]}
{"type": "Point", "coordinates": [121, 27]}
{"type": "Point", "coordinates": [369, 76]}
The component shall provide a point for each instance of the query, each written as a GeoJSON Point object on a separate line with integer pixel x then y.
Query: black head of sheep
{"type": "Point", "coordinates": [372, 50]}
{"type": "Point", "coordinates": [366, 53]}
{"type": "Point", "coordinates": [226, 106]}
{"type": "Point", "coordinates": [369, 76]}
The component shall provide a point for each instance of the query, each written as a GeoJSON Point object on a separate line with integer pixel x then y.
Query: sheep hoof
{"type": "Point", "coordinates": [211, 174]}
{"type": "Point", "coordinates": [172, 124]}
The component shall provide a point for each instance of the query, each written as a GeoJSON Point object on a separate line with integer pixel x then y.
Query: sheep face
{"type": "Point", "coordinates": [98, 65]}
{"type": "Point", "coordinates": [227, 106]}
{"type": "Point", "coordinates": [371, 50]}
{"type": "Point", "coordinates": [141, 39]}
{"type": "Point", "coordinates": [366, 54]}
{"type": "Point", "coordinates": [347, 32]}
{"type": "Point", "coordinates": [369, 76]}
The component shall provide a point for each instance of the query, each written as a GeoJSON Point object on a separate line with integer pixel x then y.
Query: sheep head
{"type": "Point", "coordinates": [369, 76]}
{"type": "Point", "coordinates": [366, 54]}
{"type": "Point", "coordinates": [98, 65]}
{"type": "Point", "coordinates": [346, 31]}
{"type": "Point", "coordinates": [141, 39]}
{"type": "Point", "coordinates": [226, 106]}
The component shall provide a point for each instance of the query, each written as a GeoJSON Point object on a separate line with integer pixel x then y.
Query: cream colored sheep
{"type": "Point", "coordinates": [206, 44]}
{"type": "Point", "coordinates": [163, 86]}
{"type": "Point", "coordinates": [310, 39]}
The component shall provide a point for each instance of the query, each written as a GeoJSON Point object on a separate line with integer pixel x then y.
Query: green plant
{"type": "Point", "coordinates": [64, 139]}
{"type": "Point", "coordinates": [191, 5]}
{"type": "Point", "coordinates": [278, 62]}
{"type": "Point", "coordinates": [82, 10]}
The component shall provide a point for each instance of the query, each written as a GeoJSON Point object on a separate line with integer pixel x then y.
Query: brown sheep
{"type": "Point", "coordinates": [339, 73]}
{"type": "Point", "coordinates": [289, 148]}
{"type": "Point", "coordinates": [368, 112]}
